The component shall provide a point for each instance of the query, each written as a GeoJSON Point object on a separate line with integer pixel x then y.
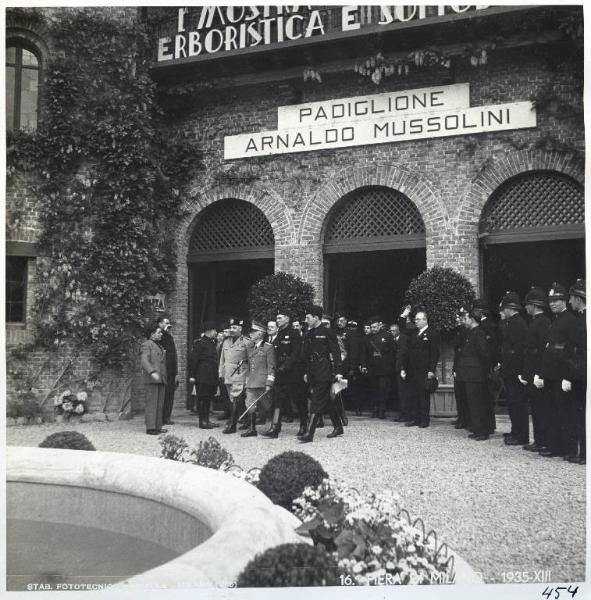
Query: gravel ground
{"type": "Point", "coordinates": [506, 511]}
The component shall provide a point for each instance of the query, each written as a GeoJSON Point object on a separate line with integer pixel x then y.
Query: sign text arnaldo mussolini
{"type": "Point", "coordinates": [424, 113]}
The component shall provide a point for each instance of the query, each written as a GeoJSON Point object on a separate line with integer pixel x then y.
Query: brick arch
{"type": "Point", "coordinates": [417, 188]}
{"type": "Point", "coordinates": [516, 163]}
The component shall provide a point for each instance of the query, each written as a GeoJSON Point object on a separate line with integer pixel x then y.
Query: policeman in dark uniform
{"type": "Point", "coordinates": [473, 366]}
{"type": "Point", "coordinates": [354, 358]}
{"type": "Point", "coordinates": [380, 353]}
{"type": "Point", "coordinates": [203, 372]}
{"type": "Point", "coordinates": [514, 333]}
{"type": "Point", "coordinates": [288, 348]}
{"type": "Point", "coordinates": [491, 331]}
{"type": "Point", "coordinates": [555, 368]}
{"type": "Point", "coordinates": [537, 337]}
{"type": "Point", "coordinates": [577, 362]}
{"type": "Point", "coordinates": [423, 355]}
{"type": "Point", "coordinates": [322, 359]}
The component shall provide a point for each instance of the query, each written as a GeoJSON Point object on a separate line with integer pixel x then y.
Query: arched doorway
{"type": "Point", "coordinates": [374, 245]}
{"type": "Point", "coordinates": [532, 232]}
{"type": "Point", "coordinates": [231, 247]}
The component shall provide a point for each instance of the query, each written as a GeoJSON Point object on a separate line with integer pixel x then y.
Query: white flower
{"type": "Point", "coordinates": [79, 409]}
{"type": "Point", "coordinates": [57, 400]}
{"type": "Point", "coordinates": [67, 406]}
{"type": "Point", "coordinates": [65, 393]}
{"type": "Point", "coordinates": [81, 396]}
{"type": "Point", "coordinates": [376, 550]}
{"type": "Point", "coordinates": [358, 567]}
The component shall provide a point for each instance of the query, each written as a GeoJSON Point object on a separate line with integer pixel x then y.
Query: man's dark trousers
{"type": "Point", "coordinates": [518, 410]}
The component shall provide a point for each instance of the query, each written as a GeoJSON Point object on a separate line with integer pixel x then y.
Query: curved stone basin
{"type": "Point", "coordinates": [211, 523]}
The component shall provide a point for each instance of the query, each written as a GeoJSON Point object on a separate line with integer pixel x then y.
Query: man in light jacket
{"type": "Point", "coordinates": [153, 361]}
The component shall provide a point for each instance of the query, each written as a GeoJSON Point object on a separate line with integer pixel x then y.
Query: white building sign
{"type": "Point", "coordinates": [379, 119]}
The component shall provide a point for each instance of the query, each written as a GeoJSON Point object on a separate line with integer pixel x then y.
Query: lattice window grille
{"type": "Point", "coordinates": [374, 212]}
{"type": "Point", "coordinates": [534, 200]}
{"type": "Point", "coordinates": [232, 224]}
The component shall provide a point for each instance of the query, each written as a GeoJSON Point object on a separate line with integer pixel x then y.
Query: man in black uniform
{"type": "Point", "coordinates": [354, 357]}
{"type": "Point", "coordinates": [473, 366]}
{"type": "Point", "coordinates": [288, 347]}
{"type": "Point", "coordinates": [405, 393]}
{"type": "Point", "coordinates": [320, 346]}
{"type": "Point", "coordinates": [203, 372]}
{"type": "Point", "coordinates": [555, 368]}
{"type": "Point", "coordinates": [514, 334]}
{"type": "Point", "coordinates": [535, 343]}
{"type": "Point", "coordinates": [577, 362]}
{"type": "Point", "coordinates": [491, 331]}
{"type": "Point", "coordinates": [463, 421]}
{"type": "Point", "coordinates": [380, 363]}
{"type": "Point", "coordinates": [167, 342]}
{"type": "Point", "coordinates": [423, 355]}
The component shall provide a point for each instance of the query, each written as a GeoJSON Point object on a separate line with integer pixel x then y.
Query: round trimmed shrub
{"type": "Point", "coordinates": [70, 440]}
{"type": "Point", "coordinates": [285, 476]}
{"type": "Point", "coordinates": [290, 565]}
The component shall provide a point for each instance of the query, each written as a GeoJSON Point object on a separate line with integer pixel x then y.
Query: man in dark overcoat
{"type": "Point", "coordinates": [203, 372]}
{"type": "Point", "coordinates": [167, 342]}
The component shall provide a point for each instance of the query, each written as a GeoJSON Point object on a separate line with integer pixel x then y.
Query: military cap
{"type": "Point", "coordinates": [208, 326]}
{"type": "Point", "coordinates": [511, 300]}
{"type": "Point", "coordinates": [480, 304]}
{"type": "Point", "coordinates": [353, 323]}
{"type": "Point", "coordinates": [235, 321]}
{"type": "Point", "coordinates": [258, 327]}
{"type": "Point", "coordinates": [315, 311]}
{"type": "Point", "coordinates": [375, 319]}
{"type": "Point", "coordinates": [578, 289]}
{"type": "Point", "coordinates": [557, 292]}
{"type": "Point", "coordinates": [536, 296]}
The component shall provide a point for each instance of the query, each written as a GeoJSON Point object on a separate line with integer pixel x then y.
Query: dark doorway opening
{"type": "Point", "coordinates": [518, 266]}
{"type": "Point", "coordinates": [218, 290]}
{"type": "Point", "coordinates": [362, 284]}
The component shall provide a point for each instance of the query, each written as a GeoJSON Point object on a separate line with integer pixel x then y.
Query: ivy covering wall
{"type": "Point", "coordinates": [109, 181]}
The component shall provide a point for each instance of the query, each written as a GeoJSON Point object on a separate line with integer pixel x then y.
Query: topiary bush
{"type": "Point", "coordinates": [279, 292]}
{"type": "Point", "coordinates": [285, 476]}
{"type": "Point", "coordinates": [71, 440]}
{"type": "Point", "coordinates": [290, 565]}
{"type": "Point", "coordinates": [441, 292]}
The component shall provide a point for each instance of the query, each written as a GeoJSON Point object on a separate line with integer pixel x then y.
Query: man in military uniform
{"type": "Point", "coordinates": [577, 373]}
{"type": "Point", "coordinates": [354, 357]}
{"type": "Point", "coordinates": [535, 343]}
{"type": "Point", "coordinates": [514, 333]}
{"type": "Point", "coordinates": [260, 375]}
{"type": "Point", "coordinates": [463, 420]}
{"type": "Point", "coordinates": [421, 361]}
{"type": "Point", "coordinates": [233, 368]}
{"type": "Point", "coordinates": [203, 372]}
{"type": "Point", "coordinates": [380, 354]}
{"type": "Point", "coordinates": [555, 369]}
{"type": "Point", "coordinates": [288, 346]}
{"type": "Point", "coordinates": [322, 360]}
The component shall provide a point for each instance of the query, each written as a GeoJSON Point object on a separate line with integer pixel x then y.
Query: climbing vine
{"type": "Point", "coordinates": [109, 183]}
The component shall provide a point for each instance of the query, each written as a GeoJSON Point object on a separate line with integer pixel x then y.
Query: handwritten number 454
{"type": "Point", "coordinates": [547, 593]}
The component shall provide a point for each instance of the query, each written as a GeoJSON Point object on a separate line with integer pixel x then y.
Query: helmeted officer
{"type": "Point", "coordinates": [555, 368]}
{"type": "Point", "coordinates": [380, 357]}
{"type": "Point", "coordinates": [322, 359]}
{"type": "Point", "coordinates": [577, 373]}
{"type": "Point", "coordinates": [233, 368]}
{"type": "Point", "coordinates": [514, 333]}
{"type": "Point", "coordinates": [203, 372]}
{"type": "Point", "coordinates": [536, 301]}
{"type": "Point", "coordinates": [288, 347]}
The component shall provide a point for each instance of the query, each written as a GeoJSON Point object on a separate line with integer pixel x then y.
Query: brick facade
{"type": "Point", "coordinates": [448, 179]}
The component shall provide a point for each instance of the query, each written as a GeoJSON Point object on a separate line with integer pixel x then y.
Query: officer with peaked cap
{"type": "Point", "coordinates": [260, 374]}
{"type": "Point", "coordinates": [555, 368]}
{"type": "Point", "coordinates": [538, 331]}
{"type": "Point", "coordinates": [233, 368]}
{"type": "Point", "coordinates": [514, 333]}
{"type": "Point", "coordinates": [576, 355]}
{"type": "Point", "coordinates": [288, 391]}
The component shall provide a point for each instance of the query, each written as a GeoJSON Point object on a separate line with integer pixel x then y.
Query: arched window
{"type": "Point", "coordinates": [23, 69]}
